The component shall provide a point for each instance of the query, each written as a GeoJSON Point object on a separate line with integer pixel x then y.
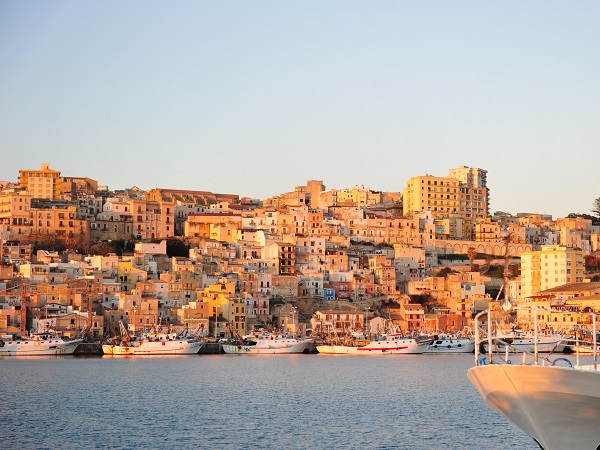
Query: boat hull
{"type": "Point", "coordinates": [524, 345]}
{"type": "Point", "coordinates": [557, 406]}
{"type": "Point", "coordinates": [46, 347]}
{"type": "Point", "coordinates": [337, 350]}
{"type": "Point", "coordinates": [176, 347]}
{"type": "Point", "coordinates": [452, 346]}
{"type": "Point", "coordinates": [107, 349]}
{"type": "Point", "coordinates": [267, 348]}
{"type": "Point", "coordinates": [394, 344]}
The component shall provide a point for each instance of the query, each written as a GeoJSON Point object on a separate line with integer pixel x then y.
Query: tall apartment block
{"type": "Point", "coordinates": [440, 195]}
{"type": "Point", "coordinates": [553, 266]}
{"type": "Point", "coordinates": [463, 192]}
{"type": "Point", "coordinates": [43, 183]}
{"type": "Point", "coordinates": [474, 193]}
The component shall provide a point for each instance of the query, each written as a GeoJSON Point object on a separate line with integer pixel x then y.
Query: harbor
{"type": "Point", "coordinates": [214, 401]}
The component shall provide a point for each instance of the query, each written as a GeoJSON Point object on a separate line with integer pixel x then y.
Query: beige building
{"type": "Point", "coordinates": [337, 321]}
{"type": "Point", "coordinates": [440, 195]}
{"type": "Point", "coordinates": [464, 191]}
{"type": "Point", "coordinates": [57, 219]}
{"type": "Point", "coordinates": [73, 188]}
{"type": "Point", "coordinates": [553, 266]}
{"type": "Point", "coordinates": [15, 210]}
{"type": "Point", "coordinates": [153, 219]}
{"type": "Point", "coordinates": [474, 194]}
{"type": "Point", "coordinates": [43, 183]}
{"type": "Point", "coordinates": [220, 227]}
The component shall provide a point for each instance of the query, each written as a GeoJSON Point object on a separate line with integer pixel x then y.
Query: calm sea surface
{"type": "Point", "coordinates": [248, 402]}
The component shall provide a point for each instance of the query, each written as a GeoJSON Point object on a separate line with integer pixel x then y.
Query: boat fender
{"type": "Point", "coordinates": [459, 345]}
{"type": "Point", "coordinates": [449, 346]}
{"type": "Point", "coordinates": [435, 346]}
{"type": "Point", "coordinates": [569, 363]}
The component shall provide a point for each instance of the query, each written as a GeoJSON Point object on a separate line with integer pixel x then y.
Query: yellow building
{"type": "Point", "coordinates": [553, 266]}
{"type": "Point", "coordinates": [440, 195]}
{"type": "Point", "coordinates": [15, 208]}
{"type": "Point", "coordinates": [234, 311]}
{"type": "Point", "coordinates": [195, 316]}
{"type": "Point", "coordinates": [220, 227]}
{"type": "Point", "coordinates": [43, 183]}
{"type": "Point", "coordinates": [488, 231]}
{"type": "Point", "coordinates": [152, 219]}
{"type": "Point", "coordinates": [60, 220]}
{"type": "Point", "coordinates": [474, 194]}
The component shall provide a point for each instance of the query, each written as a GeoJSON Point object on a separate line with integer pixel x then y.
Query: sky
{"type": "Point", "coordinates": [257, 97]}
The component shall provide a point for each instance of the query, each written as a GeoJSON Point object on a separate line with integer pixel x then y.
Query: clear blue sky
{"type": "Point", "coordinates": [256, 97]}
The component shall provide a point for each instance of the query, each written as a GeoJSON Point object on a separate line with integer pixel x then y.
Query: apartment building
{"type": "Point", "coordinates": [464, 191]}
{"type": "Point", "coordinates": [440, 195]}
{"type": "Point", "coordinates": [220, 227]}
{"type": "Point", "coordinates": [474, 193]}
{"type": "Point", "coordinates": [553, 266]}
{"type": "Point", "coordinates": [73, 188]}
{"type": "Point", "coordinates": [43, 183]}
{"type": "Point", "coordinates": [57, 219]}
{"type": "Point", "coordinates": [15, 211]}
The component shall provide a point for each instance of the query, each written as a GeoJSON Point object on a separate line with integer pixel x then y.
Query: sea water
{"type": "Point", "coordinates": [248, 402]}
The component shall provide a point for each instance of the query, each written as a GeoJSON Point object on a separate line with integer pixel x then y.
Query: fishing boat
{"type": "Point", "coordinates": [336, 349]}
{"type": "Point", "coordinates": [267, 344]}
{"type": "Point", "coordinates": [156, 344]}
{"type": "Point", "coordinates": [39, 344]}
{"type": "Point", "coordinates": [555, 400]}
{"type": "Point", "coordinates": [451, 344]}
{"type": "Point", "coordinates": [392, 344]}
{"type": "Point", "coordinates": [348, 347]}
{"type": "Point", "coordinates": [152, 343]}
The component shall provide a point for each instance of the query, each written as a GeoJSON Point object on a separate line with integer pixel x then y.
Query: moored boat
{"type": "Point", "coordinates": [155, 344]}
{"type": "Point", "coordinates": [42, 344]}
{"type": "Point", "coordinates": [556, 402]}
{"type": "Point", "coordinates": [520, 342]}
{"type": "Point", "coordinates": [336, 349]}
{"type": "Point", "coordinates": [451, 344]}
{"type": "Point", "coordinates": [267, 344]}
{"type": "Point", "coordinates": [392, 344]}
{"type": "Point", "coordinates": [342, 346]}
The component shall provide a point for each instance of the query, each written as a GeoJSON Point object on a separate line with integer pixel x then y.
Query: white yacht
{"type": "Point", "coordinates": [392, 344]}
{"type": "Point", "coordinates": [556, 401]}
{"type": "Point", "coordinates": [267, 344]}
{"type": "Point", "coordinates": [41, 344]}
{"type": "Point", "coordinates": [451, 344]}
{"type": "Point", "coordinates": [524, 342]}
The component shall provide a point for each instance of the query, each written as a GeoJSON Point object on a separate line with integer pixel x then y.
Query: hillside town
{"type": "Point", "coordinates": [78, 258]}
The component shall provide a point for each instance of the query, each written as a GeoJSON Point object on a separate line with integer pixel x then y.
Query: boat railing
{"type": "Point", "coordinates": [481, 335]}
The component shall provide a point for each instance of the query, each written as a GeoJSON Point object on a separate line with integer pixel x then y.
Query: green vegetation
{"type": "Point", "coordinates": [453, 257]}
{"type": "Point", "coordinates": [177, 247]}
{"type": "Point", "coordinates": [428, 301]}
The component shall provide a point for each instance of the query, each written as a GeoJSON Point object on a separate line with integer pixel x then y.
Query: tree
{"type": "Point", "coordinates": [595, 220]}
{"type": "Point", "coordinates": [177, 247]}
{"type": "Point", "coordinates": [596, 207]}
{"type": "Point", "coordinates": [471, 253]}
{"type": "Point", "coordinates": [444, 271]}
